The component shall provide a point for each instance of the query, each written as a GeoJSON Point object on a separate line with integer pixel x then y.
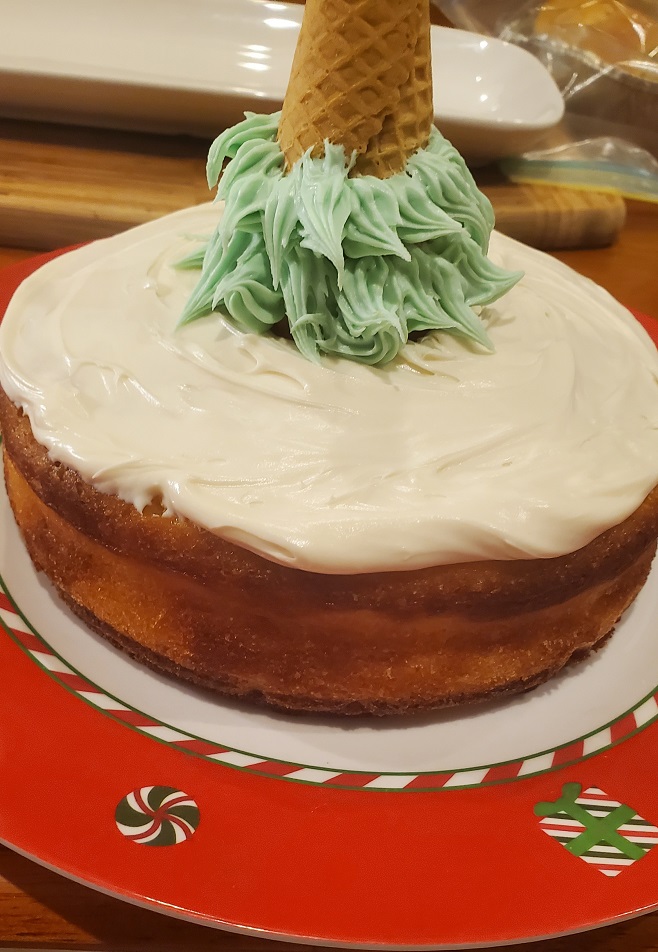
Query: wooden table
{"type": "Point", "coordinates": [41, 910]}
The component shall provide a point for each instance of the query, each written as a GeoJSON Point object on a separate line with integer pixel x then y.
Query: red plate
{"type": "Point", "coordinates": [515, 821]}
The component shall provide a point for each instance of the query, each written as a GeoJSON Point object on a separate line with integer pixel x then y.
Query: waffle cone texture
{"type": "Point", "coordinates": [361, 78]}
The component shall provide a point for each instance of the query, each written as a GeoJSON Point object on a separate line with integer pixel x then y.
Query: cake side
{"type": "Point", "coordinates": [187, 603]}
{"type": "Point", "coordinates": [178, 544]}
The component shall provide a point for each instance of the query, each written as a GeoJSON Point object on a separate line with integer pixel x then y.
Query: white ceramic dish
{"type": "Point", "coordinates": [194, 67]}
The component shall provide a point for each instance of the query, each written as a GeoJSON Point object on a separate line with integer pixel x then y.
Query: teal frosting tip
{"type": "Point", "coordinates": [355, 264]}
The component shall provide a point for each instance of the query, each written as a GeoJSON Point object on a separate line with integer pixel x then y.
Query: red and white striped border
{"type": "Point", "coordinates": [60, 671]}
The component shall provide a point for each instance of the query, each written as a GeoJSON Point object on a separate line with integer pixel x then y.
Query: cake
{"type": "Point", "coordinates": [433, 484]}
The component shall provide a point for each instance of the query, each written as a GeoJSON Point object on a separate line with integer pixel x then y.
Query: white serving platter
{"type": "Point", "coordinates": [194, 67]}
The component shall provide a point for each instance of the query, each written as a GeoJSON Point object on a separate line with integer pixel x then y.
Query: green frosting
{"type": "Point", "coordinates": [355, 264]}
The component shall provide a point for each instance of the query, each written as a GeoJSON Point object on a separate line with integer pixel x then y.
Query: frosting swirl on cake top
{"type": "Point", "coordinates": [448, 453]}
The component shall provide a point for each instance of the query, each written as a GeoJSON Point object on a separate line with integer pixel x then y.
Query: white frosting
{"type": "Point", "coordinates": [448, 454]}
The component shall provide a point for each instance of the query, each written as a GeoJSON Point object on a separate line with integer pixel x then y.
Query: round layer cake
{"type": "Point", "coordinates": [454, 525]}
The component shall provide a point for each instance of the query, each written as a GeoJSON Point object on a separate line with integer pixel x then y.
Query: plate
{"type": "Point", "coordinates": [195, 68]}
{"type": "Point", "coordinates": [365, 833]}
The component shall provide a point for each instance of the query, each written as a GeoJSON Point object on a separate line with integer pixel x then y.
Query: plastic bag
{"type": "Point", "coordinates": [603, 164]}
{"type": "Point", "coordinates": [603, 55]}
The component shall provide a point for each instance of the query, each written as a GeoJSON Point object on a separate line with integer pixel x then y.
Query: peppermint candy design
{"type": "Point", "coordinates": [157, 816]}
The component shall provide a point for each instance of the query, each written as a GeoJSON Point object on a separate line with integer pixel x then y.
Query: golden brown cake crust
{"type": "Point", "coordinates": [189, 603]}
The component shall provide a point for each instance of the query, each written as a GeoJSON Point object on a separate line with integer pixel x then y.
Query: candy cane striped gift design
{"type": "Point", "coordinates": [603, 832]}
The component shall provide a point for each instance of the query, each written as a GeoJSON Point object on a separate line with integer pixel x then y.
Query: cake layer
{"type": "Point", "coordinates": [185, 601]}
{"type": "Point", "coordinates": [448, 454]}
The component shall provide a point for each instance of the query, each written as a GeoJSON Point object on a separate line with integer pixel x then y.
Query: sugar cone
{"type": "Point", "coordinates": [361, 78]}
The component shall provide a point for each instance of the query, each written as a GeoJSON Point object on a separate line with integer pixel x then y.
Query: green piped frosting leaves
{"type": "Point", "coordinates": [354, 264]}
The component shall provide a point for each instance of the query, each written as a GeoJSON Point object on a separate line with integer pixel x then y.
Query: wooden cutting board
{"type": "Point", "coordinates": [62, 185]}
